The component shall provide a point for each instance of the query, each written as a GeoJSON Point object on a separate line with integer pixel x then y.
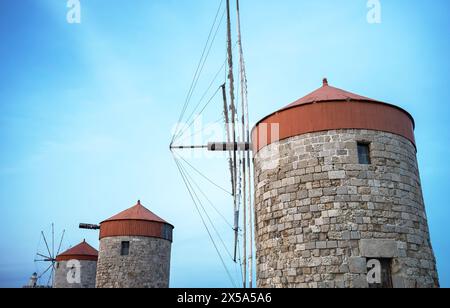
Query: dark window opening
{"type": "Point", "coordinates": [125, 249]}
{"type": "Point", "coordinates": [364, 153]}
{"type": "Point", "coordinates": [167, 232]}
{"type": "Point", "coordinates": [385, 280]}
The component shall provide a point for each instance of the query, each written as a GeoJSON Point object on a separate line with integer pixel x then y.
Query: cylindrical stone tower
{"type": "Point", "coordinates": [338, 196]}
{"type": "Point", "coordinates": [76, 268]}
{"type": "Point", "coordinates": [135, 248]}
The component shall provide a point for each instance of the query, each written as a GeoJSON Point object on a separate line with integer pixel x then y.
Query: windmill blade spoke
{"type": "Point", "coordinates": [43, 256]}
{"type": "Point", "coordinates": [53, 240]}
{"type": "Point", "coordinates": [60, 242]}
{"type": "Point", "coordinates": [40, 276]}
{"type": "Point", "coordinates": [44, 260]}
{"type": "Point", "coordinates": [46, 245]}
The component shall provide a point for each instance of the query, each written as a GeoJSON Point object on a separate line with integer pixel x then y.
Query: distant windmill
{"type": "Point", "coordinates": [46, 255]}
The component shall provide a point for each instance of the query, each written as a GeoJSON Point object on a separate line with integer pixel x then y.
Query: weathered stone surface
{"type": "Point", "coordinates": [336, 175]}
{"type": "Point", "coordinates": [88, 270]}
{"type": "Point", "coordinates": [378, 248]}
{"type": "Point", "coordinates": [312, 186]}
{"type": "Point", "coordinates": [359, 282]}
{"type": "Point", "coordinates": [398, 281]}
{"type": "Point", "coordinates": [146, 266]}
{"type": "Point", "coordinates": [357, 265]}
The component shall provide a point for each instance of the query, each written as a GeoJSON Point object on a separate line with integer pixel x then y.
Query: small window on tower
{"type": "Point", "coordinates": [125, 249]}
{"type": "Point", "coordinates": [364, 153]}
{"type": "Point", "coordinates": [167, 232]}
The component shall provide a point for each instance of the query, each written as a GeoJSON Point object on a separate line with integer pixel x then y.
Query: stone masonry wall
{"type": "Point", "coordinates": [320, 214]}
{"type": "Point", "coordinates": [87, 273]}
{"type": "Point", "coordinates": [146, 266]}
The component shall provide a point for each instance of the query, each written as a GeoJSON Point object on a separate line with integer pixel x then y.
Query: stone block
{"type": "Point", "coordinates": [357, 265]}
{"type": "Point", "coordinates": [332, 244]}
{"type": "Point", "coordinates": [313, 193]}
{"type": "Point", "coordinates": [336, 175]}
{"type": "Point", "coordinates": [360, 282]}
{"type": "Point", "coordinates": [333, 213]}
{"type": "Point", "coordinates": [321, 245]}
{"type": "Point", "coordinates": [378, 248]}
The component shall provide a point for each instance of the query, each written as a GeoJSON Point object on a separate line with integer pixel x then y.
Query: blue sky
{"type": "Point", "coordinates": [87, 110]}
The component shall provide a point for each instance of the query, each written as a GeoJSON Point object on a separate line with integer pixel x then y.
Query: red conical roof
{"type": "Point", "coordinates": [82, 251]}
{"type": "Point", "coordinates": [328, 93]}
{"type": "Point", "coordinates": [137, 212]}
{"type": "Point", "coordinates": [329, 108]}
{"type": "Point", "coordinates": [136, 221]}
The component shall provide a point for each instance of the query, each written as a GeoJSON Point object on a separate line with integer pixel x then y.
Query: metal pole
{"type": "Point", "coordinates": [189, 147]}
{"type": "Point", "coordinates": [233, 124]}
{"type": "Point", "coordinates": [227, 129]}
{"type": "Point", "coordinates": [244, 166]}
{"type": "Point", "coordinates": [53, 255]}
{"type": "Point", "coordinates": [89, 226]}
{"type": "Point", "coordinates": [53, 241]}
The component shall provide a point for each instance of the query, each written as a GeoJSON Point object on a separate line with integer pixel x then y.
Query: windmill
{"type": "Point", "coordinates": [45, 258]}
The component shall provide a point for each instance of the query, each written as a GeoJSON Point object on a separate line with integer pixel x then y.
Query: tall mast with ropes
{"type": "Point", "coordinates": [233, 126]}
{"type": "Point", "coordinates": [246, 165]}
{"type": "Point", "coordinates": [237, 145]}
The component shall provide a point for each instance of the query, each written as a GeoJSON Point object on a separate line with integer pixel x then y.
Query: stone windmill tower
{"type": "Point", "coordinates": [135, 247]}
{"type": "Point", "coordinates": [76, 267]}
{"type": "Point", "coordinates": [338, 196]}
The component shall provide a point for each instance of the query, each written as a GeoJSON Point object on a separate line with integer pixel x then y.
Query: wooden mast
{"type": "Point", "coordinates": [233, 127]}
{"type": "Point", "coordinates": [238, 141]}
{"type": "Point", "coordinates": [227, 130]}
{"type": "Point", "coordinates": [243, 136]}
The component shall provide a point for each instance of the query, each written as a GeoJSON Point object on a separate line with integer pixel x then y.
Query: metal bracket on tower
{"type": "Point", "coordinates": [218, 147]}
{"type": "Point", "coordinates": [89, 227]}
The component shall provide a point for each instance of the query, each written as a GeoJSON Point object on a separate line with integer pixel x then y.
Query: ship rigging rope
{"type": "Point", "coordinates": [246, 162]}
{"type": "Point", "coordinates": [200, 66]}
{"type": "Point", "coordinates": [180, 131]}
{"type": "Point", "coordinates": [188, 186]}
{"type": "Point", "coordinates": [240, 166]}
{"type": "Point", "coordinates": [206, 58]}
{"type": "Point", "coordinates": [219, 120]}
{"type": "Point", "coordinates": [233, 123]}
{"type": "Point", "coordinates": [205, 177]}
{"type": "Point", "coordinates": [198, 115]}
{"type": "Point", "coordinates": [216, 210]}
{"type": "Point", "coordinates": [206, 213]}
{"type": "Point", "coordinates": [240, 262]}
{"type": "Point", "coordinates": [212, 205]}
